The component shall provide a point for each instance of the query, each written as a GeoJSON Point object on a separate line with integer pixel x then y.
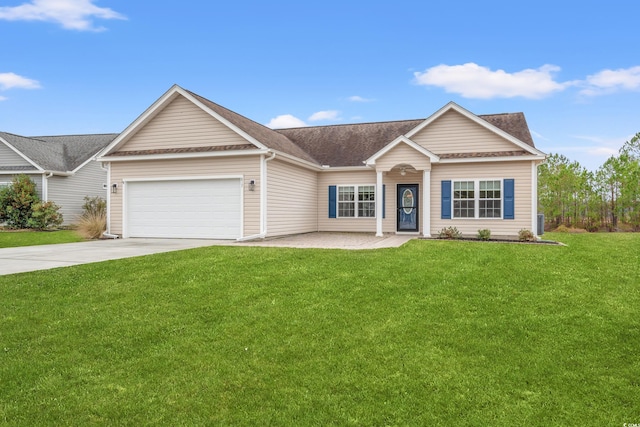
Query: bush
{"type": "Point", "coordinates": [449, 233]}
{"type": "Point", "coordinates": [525, 235]}
{"type": "Point", "coordinates": [484, 234]}
{"type": "Point", "coordinates": [16, 201]}
{"type": "Point", "coordinates": [44, 215]}
{"type": "Point", "coordinates": [562, 229]}
{"type": "Point", "coordinates": [93, 221]}
{"type": "Point", "coordinates": [94, 205]}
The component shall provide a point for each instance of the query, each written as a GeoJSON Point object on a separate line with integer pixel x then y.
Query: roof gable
{"type": "Point", "coordinates": [496, 124]}
{"type": "Point", "coordinates": [402, 140]}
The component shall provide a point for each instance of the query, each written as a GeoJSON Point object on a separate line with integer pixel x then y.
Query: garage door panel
{"type": "Point", "coordinates": [208, 208]}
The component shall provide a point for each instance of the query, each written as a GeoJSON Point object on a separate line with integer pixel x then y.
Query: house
{"type": "Point", "coordinates": [188, 167]}
{"type": "Point", "coordinates": [62, 167]}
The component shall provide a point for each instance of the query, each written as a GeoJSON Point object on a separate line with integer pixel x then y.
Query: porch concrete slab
{"type": "Point", "coordinates": [329, 240]}
{"type": "Point", "coordinates": [32, 258]}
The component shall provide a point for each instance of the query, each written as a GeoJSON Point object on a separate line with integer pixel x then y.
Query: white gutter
{"type": "Point", "coordinates": [45, 185]}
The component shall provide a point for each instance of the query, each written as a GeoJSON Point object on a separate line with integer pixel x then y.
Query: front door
{"type": "Point", "coordinates": [407, 207]}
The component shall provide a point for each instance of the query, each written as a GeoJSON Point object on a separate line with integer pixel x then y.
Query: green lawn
{"type": "Point", "coordinates": [10, 239]}
{"type": "Point", "coordinates": [433, 333]}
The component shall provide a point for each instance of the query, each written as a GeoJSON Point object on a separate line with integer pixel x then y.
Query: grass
{"type": "Point", "coordinates": [10, 239]}
{"type": "Point", "coordinates": [433, 333]}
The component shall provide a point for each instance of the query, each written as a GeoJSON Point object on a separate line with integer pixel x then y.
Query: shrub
{"type": "Point", "coordinates": [93, 221]}
{"type": "Point", "coordinates": [449, 233]}
{"type": "Point", "coordinates": [92, 225]}
{"type": "Point", "coordinates": [94, 205]}
{"type": "Point", "coordinates": [16, 201]}
{"type": "Point", "coordinates": [562, 229]}
{"type": "Point", "coordinates": [484, 234]}
{"type": "Point", "coordinates": [44, 215]}
{"type": "Point", "coordinates": [525, 235]}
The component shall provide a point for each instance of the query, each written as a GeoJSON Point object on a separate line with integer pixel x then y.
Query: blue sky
{"type": "Point", "coordinates": [93, 66]}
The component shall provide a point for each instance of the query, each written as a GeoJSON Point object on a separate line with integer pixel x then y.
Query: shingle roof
{"type": "Point", "coordinates": [347, 145]}
{"type": "Point", "coordinates": [350, 145]}
{"type": "Point", "coordinates": [61, 153]}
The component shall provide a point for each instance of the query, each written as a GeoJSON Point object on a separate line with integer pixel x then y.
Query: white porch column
{"type": "Point", "coordinates": [426, 203]}
{"type": "Point", "coordinates": [379, 207]}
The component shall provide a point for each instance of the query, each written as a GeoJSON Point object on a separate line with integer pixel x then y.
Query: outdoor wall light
{"type": "Point", "coordinates": [114, 188]}
{"type": "Point", "coordinates": [252, 185]}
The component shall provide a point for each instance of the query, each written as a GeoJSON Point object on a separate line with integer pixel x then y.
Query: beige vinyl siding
{"type": "Point", "coordinates": [182, 124]}
{"type": "Point", "coordinates": [325, 179]}
{"type": "Point", "coordinates": [402, 154]}
{"type": "Point", "coordinates": [245, 166]}
{"type": "Point", "coordinates": [519, 171]}
{"type": "Point", "coordinates": [291, 199]}
{"type": "Point", "coordinates": [8, 157]}
{"type": "Point", "coordinates": [69, 192]}
{"type": "Point", "coordinates": [454, 133]}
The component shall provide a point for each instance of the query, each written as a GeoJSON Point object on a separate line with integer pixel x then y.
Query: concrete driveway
{"type": "Point", "coordinates": [32, 258]}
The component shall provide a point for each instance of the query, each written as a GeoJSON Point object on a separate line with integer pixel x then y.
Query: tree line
{"type": "Point", "coordinates": [607, 199]}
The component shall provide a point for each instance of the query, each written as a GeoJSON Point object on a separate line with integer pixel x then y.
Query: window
{"type": "Point", "coordinates": [490, 200]}
{"type": "Point", "coordinates": [477, 199]}
{"type": "Point", "coordinates": [356, 201]}
{"type": "Point", "coordinates": [463, 199]}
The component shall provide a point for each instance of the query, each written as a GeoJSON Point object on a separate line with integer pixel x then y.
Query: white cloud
{"type": "Point", "coordinates": [71, 14]}
{"type": "Point", "coordinates": [12, 80]}
{"type": "Point", "coordinates": [609, 81]}
{"type": "Point", "coordinates": [357, 98]}
{"type": "Point", "coordinates": [474, 81]}
{"type": "Point", "coordinates": [285, 121]}
{"type": "Point", "coordinates": [3, 98]}
{"type": "Point", "coordinates": [325, 115]}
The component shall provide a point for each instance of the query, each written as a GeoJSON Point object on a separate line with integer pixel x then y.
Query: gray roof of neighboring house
{"type": "Point", "coordinates": [61, 153]}
{"type": "Point", "coordinates": [350, 145]}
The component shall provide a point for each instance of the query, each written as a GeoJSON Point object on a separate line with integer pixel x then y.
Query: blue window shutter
{"type": "Point", "coordinates": [446, 200]}
{"type": "Point", "coordinates": [509, 206]}
{"type": "Point", "coordinates": [384, 199]}
{"type": "Point", "coordinates": [332, 201]}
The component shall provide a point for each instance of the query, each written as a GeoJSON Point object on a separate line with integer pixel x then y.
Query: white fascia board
{"type": "Point", "coordinates": [402, 139]}
{"type": "Point", "coordinates": [229, 153]}
{"type": "Point", "coordinates": [468, 114]}
{"type": "Point", "coordinates": [492, 159]}
{"type": "Point", "coordinates": [19, 153]}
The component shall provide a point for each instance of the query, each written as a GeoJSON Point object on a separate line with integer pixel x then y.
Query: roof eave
{"type": "Point", "coordinates": [229, 153]}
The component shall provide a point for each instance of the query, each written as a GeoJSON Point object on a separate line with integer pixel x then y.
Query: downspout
{"type": "Point", "coordinates": [263, 200]}
{"type": "Point", "coordinates": [45, 186]}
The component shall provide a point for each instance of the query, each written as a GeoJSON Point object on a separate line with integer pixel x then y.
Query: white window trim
{"type": "Point", "coordinates": [476, 198]}
{"type": "Point", "coordinates": [356, 201]}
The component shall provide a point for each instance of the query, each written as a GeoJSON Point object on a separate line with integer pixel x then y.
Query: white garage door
{"type": "Point", "coordinates": [206, 208]}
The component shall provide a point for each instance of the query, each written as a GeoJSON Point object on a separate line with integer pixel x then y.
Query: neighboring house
{"type": "Point", "coordinates": [62, 167]}
{"type": "Point", "coordinates": [188, 167]}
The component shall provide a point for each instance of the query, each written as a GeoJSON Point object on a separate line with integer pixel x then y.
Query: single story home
{"type": "Point", "coordinates": [62, 167]}
{"type": "Point", "coordinates": [190, 168]}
